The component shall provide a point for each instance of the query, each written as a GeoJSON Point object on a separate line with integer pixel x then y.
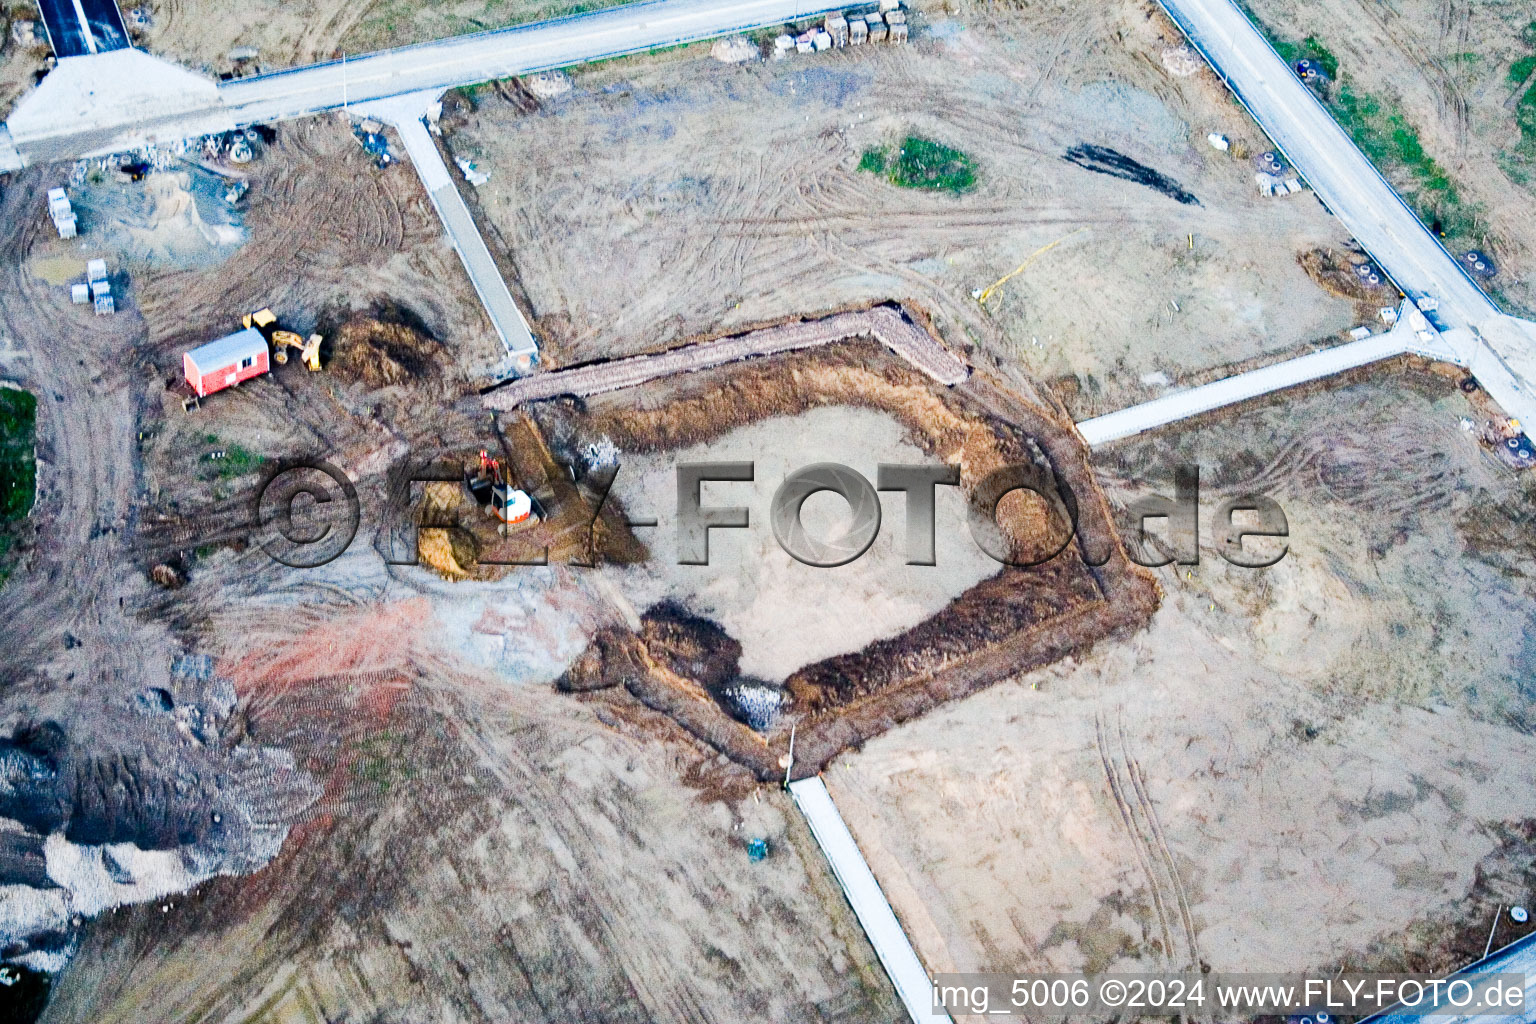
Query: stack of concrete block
{"type": "Point", "coordinates": [836, 27]}
{"type": "Point", "coordinates": [62, 212]}
{"type": "Point", "coordinates": [858, 31]}
{"type": "Point", "coordinates": [101, 288]}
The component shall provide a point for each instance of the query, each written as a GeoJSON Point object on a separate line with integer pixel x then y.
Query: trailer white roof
{"type": "Point", "coordinates": [226, 350]}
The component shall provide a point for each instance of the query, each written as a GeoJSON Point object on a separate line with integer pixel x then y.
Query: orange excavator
{"type": "Point", "coordinates": [265, 321]}
{"type": "Point", "coordinates": [491, 486]}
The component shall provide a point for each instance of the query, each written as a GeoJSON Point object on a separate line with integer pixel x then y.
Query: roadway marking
{"type": "Point", "coordinates": [85, 26]}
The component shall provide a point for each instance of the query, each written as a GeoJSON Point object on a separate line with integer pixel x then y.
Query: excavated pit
{"type": "Point", "coordinates": [744, 674]}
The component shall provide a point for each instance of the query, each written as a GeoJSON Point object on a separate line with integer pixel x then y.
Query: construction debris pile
{"type": "Point", "coordinates": [62, 212]}
{"type": "Point", "coordinates": [1274, 178]}
{"type": "Point", "coordinates": [96, 288]}
{"type": "Point", "coordinates": [214, 152]}
{"type": "Point", "coordinates": [1504, 438]}
{"type": "Point", "coordinates": [147, 800]}
{"type": "Point", "coordinates": [100, 287]}
{"type": "Point", "coordinates": [1348, 275]}
{"type": "Point", "coordinates": [370, 135]}
{"type": "Point", "coordinates": [25, 34]}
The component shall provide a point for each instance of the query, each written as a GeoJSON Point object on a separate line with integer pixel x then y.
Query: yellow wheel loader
{"type": "Point", "coordinates": [265, 321]}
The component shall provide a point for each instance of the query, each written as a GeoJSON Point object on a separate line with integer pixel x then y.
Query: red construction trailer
{"type": "Point", "coordinates": [226, 362]}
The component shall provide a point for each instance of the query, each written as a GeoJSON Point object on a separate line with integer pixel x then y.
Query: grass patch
{"type": "Point", "coordinates": [1525, 117]}
{"type": "Point", "coordinates": [873, 161]}
{"type": "Point", "coordinates": [1521, 69]}
{"type": "Point", "coordinates": [922, 164]}
{"type": "Point", "coordinates": [1392, 144]}
{"type": "Point", "coordinates": [1310, 48]}
{"type": "Point", "coordinates": [18, 464]}
{"type": "Point", "coordinates": [1388, 140]}
{"type": "Point", "coordinates": [404, 22]}
{"type": "Point", "coordinates": [236, 461]}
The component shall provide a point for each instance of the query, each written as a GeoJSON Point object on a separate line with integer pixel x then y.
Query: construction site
{"type": "Point", "coordinates": [1441, 95]}
{"type": "Point", "coordinates": [648, 161]}
{"type": "Point", "coordinates": [507, 752]}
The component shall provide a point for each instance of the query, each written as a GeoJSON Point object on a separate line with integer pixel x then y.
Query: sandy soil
{"type": "Point", "coordinates": [484, 852]}
{"type": "Point", "coordinates": [18, 63]}
{"type": "Point", "coordinates": [482, 849]}
{"type": "Point", "coordinates": [674, 195]}
{"type": "Point", "coordinates": [1291, 768]}
{"type": "Point", "coordinates": [786, 614]}
{"type": "Point", "coordinates": [1446, 65]}
{"type": "Point", "coordinates": [1322, 761]}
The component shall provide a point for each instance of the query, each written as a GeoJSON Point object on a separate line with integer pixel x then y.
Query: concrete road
{"type": "Point", "coordinates": [1335, 168]}
{"type": "Point", "coordinates": [466, 60]}
{"type": "Point", "coordinates": [435, 66]}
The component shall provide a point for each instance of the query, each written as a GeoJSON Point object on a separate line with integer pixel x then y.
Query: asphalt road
{"type": "Point", "coordinates": [106, 24]}
{"type": "Point", "coordinates": [79, 27]}
{"type": "Point", "coordinates": [66, 33]}
{"type": "Point", "coordinates": [1335, 168]}
{"type": "Point", "coordinates": [466, 60]}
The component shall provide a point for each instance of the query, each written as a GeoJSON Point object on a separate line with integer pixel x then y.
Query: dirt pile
{"type": "Point", "coordinates": [382, 352]}
{"type": "Point", "coordinates": [691, 646]}
{"type": "Point", "coordinates": [672, 643]}
{"type": "Point", "coordinates": [449, 551]}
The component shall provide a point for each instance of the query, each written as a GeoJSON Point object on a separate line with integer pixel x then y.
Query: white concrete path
{"type": "Point", "coordinates": [405, 114]}
{"type": "Point", "coordinates": [1499, 350]}
{"type": "Point", "coordinates": [868, 902]}
{"type": "Point", "coordinates": [1184, 404]}
{"type": "Point", "coordinates": [1411, 333]}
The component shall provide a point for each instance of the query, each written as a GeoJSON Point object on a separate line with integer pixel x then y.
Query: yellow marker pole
{"type": "Point", "coordinates": [987, 293]}
{"type": "Point", "coordinates": [1191, 241]}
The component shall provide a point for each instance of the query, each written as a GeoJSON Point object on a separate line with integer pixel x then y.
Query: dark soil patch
{"type": "Point", "coordinates": [386, 346]}
{"type": "Point", "coordinates": [1103, 160]}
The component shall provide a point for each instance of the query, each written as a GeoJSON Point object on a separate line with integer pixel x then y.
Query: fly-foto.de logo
{"type": "Point", "coordinates": [1234, 521]}
{"type": "Point", "coordinates": [1249, 531]}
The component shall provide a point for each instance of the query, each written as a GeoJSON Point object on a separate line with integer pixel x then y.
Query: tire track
{"type": "Point", "coordinates": [1139, 842]}
{"type": "Point", "coordinates": [1159, 844]}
